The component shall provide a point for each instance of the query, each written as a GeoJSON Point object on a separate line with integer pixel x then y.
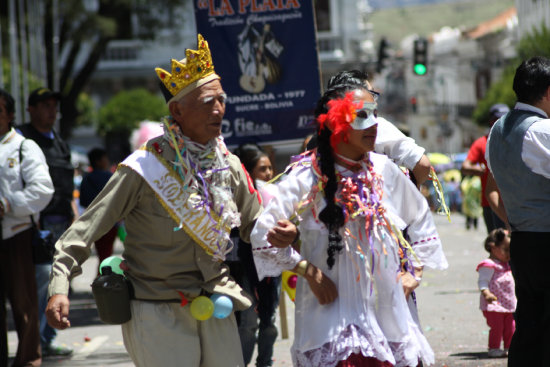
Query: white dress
{"type": "Point", "coordinates": [370, 314]}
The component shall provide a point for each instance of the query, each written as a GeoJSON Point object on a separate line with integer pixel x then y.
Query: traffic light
{"type": "Point", "coordinates": [382, 54]}
{"type": "Point", "coordinates": [420, 56]}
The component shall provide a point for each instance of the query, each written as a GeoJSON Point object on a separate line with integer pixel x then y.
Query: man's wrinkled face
{"type": "Point", "coordinates": [199, 113]}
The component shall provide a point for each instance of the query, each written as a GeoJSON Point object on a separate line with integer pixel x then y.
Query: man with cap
{"type": "Point", "coordinates": [59, 214]}
{"type": "Point", "coordinates": [476, 165]}
{"type": "Point", "coordinates": [179, 195]}
{"type": "Point", "coordinates": [518, 156]}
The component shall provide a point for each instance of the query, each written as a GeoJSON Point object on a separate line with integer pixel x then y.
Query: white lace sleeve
{"type": "Point", "coordinates": [413, 209]}
{"type": "Point", "coordinates": [271, 261]}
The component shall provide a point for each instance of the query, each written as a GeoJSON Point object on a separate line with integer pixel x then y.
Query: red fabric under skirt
{"type": "Point", "coordinates": [358, 360]}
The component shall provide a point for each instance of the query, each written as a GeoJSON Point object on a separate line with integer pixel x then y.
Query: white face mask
{"type": "Point", "coordinates": [365, 116]}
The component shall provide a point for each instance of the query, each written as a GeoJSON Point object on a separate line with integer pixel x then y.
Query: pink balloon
{"type": "Point", "coordinates": [291, 281]}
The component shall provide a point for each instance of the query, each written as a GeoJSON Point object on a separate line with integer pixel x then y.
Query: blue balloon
{"type": "Point", "coordinates": [223, 306]}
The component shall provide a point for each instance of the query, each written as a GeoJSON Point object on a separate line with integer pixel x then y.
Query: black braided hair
{"type": "Point", "coordinates": [332, 215]}
{"type": "Point", "coordinates": [348, 77]}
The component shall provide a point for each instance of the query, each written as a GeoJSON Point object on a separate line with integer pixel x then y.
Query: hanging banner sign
{"type": "Point", "coordinates": [266, 54]}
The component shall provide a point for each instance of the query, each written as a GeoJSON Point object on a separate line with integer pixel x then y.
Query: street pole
{"type": "Point", "coordinates": [14, 62]}
{"type": "Point", "coordinates": [23, 44]}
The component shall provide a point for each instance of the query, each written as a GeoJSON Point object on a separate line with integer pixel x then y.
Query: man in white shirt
{"type": "Point", "coordinates": [390, 141]}
{"type": "Point", "coordinates": [518, 155]}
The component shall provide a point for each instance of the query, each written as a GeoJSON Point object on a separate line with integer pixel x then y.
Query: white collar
{"type": "Point", "coordinates": [528, 107]}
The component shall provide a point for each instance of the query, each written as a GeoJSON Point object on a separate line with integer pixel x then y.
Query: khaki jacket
{"type": "Point", "coordinates": [162, 261]}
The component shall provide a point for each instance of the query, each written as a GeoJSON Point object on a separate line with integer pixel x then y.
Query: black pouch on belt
{"type": "Point", "coordinates": [112, 296]}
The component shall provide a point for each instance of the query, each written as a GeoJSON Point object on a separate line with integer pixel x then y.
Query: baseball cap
{"type": "Point", "coordinates": [42, 94]}
{"type": "Point", "coordinates": [498, 110]}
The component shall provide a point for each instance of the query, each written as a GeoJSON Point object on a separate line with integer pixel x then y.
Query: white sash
{"type": "Point", "coordinates": [201, 226]}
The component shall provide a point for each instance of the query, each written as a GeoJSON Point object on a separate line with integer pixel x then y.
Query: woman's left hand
{"type": "Point", "coordinates": [409, 282]}
{"type": "Point", "coordinates": [283, 234]}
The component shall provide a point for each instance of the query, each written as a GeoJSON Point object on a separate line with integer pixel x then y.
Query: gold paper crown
{"type": "Point", "coordinates": [196, 66]}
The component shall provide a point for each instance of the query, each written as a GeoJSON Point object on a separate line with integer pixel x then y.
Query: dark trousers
{"type": "Point", "coordinates": [104, 246]}
{"type": "Point", "coordinates": [531, 341]}
{"type": "Point", "coordinates": [265, 295]}
{"type": "Point", "coordinates": [18, 285]}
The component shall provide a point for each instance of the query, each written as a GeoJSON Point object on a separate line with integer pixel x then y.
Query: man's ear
{"type": "Point", "coordinates": [175, 110]}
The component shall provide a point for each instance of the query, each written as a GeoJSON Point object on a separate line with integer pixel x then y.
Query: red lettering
{"type": "Point", "coordinates": [243, 4]}
{"type": "Point", "coordinates": [293, 4]}
{"type": "Point", "coordinates": [269, 5]}
{"type": "Point", "coordinates": [226, 8]}
{"type": "Point", "coordinates": [255, 7]}
{"type": "Point", "coordinates": [212, 9]}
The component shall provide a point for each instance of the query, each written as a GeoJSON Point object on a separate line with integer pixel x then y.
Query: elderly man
{"type": "Point", "coordinates": [517, 155]}
{"type": "Point", "coordinates": [179, 195]}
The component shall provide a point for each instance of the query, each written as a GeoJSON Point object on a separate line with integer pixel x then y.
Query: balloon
{"type": "Point", "coordinates": [292, 280]}
{"type": "Point", "coordinates": [114, 263]}
{"type": "Point", "coordinates": [202, 308]}
{"type": "Point", "coordinates": [223, 306]}
{"type": "Point", "coordinates": [121, 232]}
{"type": "Point", "coordinates": [289, 284]}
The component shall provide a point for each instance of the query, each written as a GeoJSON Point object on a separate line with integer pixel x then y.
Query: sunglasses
{"type": "Point", "coordinates": [374, 94]}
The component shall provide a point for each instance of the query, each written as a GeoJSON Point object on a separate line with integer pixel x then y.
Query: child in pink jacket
{"type": "Point", "coordinates": [498, 297]}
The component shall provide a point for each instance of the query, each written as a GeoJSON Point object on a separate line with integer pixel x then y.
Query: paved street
{"type": "Point", "coordinates": [448, 303]}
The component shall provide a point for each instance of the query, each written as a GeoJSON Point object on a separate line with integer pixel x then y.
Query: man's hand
{"type": "Point", "coordinates": [472, 169]}
{"type": "Point", "coordinates": [57, 312]}
{"type": "Point", "coordinates": [321, 285]}
{"type": "Point", "coordinates": [283, 234]}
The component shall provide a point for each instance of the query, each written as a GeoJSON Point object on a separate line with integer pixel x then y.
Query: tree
{"type": "Point", "coordinates": [126, 109]}
{"type": "Point", "coordinates": [499, 92]}
{"type": "Point", "coordinates": [123, 113]}
{"type": "Point", "coordinates": [85, 30]}
{"type": "Point", "coordinates": [536, 43]}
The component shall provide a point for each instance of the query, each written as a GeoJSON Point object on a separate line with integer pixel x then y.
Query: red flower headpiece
{"type": "Point", "coordinates": [341, 113]}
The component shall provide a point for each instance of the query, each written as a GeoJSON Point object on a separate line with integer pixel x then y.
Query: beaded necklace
{"type": "Point", "coordinates": [359, 195]}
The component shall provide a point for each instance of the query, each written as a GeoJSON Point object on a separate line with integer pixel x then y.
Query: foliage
{"type": "Point", "coordinates": [85, 30]}
{"type": "Point", "coordinates": [537, 43]}
{"type": "Point", "coordinates": [499, 92]}
{"type": "Point", "coordinates": [34, 82]}
{"type": "Point", "coordinates": [87, 111]}
{"type": "Point", "coordinates": [126, 109]}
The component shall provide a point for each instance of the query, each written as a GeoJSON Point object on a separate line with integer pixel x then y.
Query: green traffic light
{"type": "Point", "coordinates": [420, 69]}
